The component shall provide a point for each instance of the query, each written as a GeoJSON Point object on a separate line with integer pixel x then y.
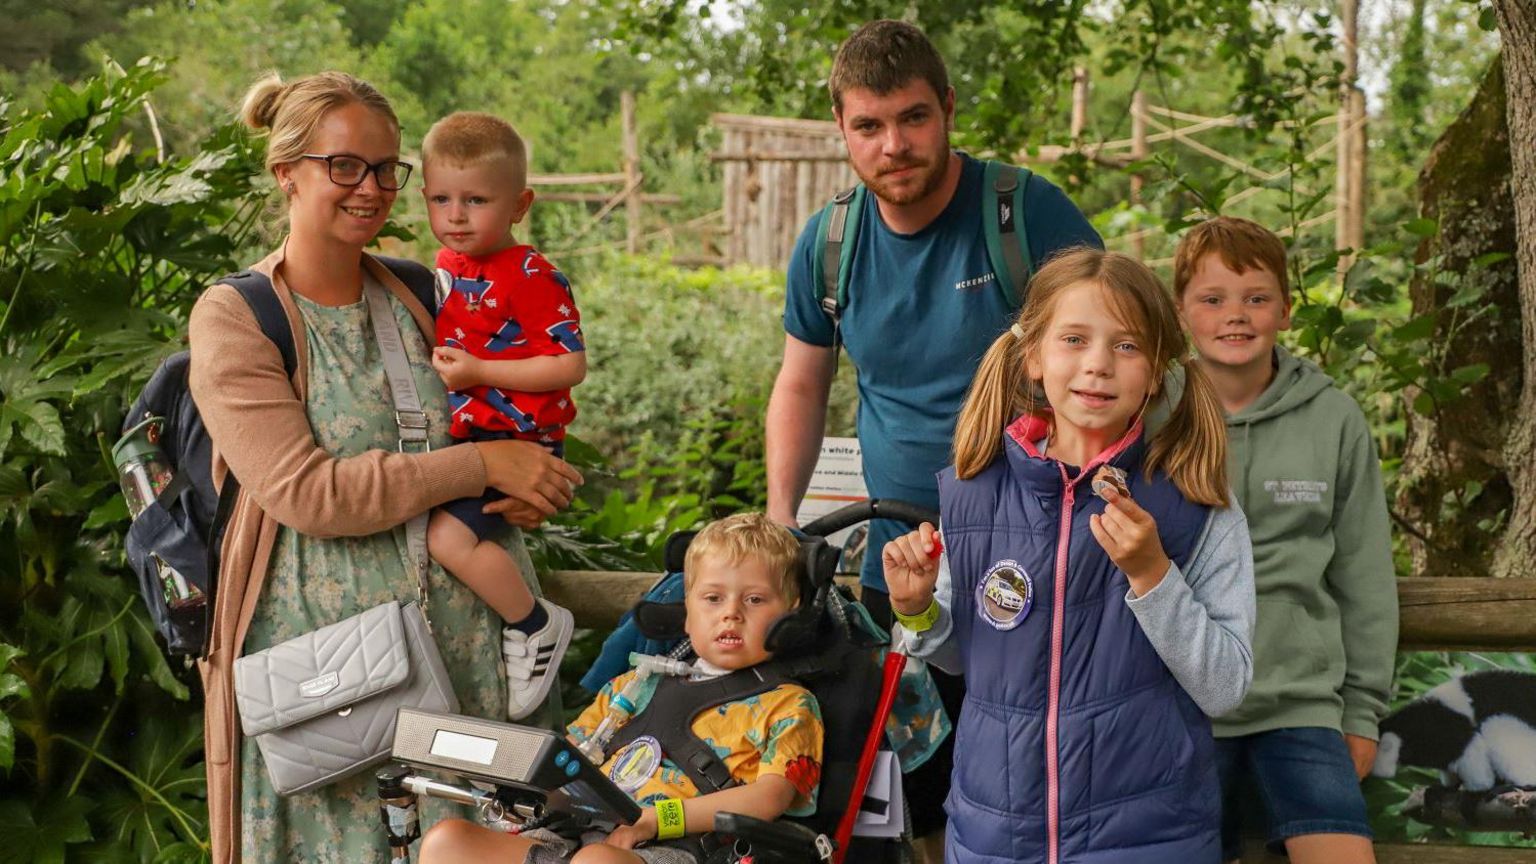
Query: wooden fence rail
{"type": "Point", "coordinates": [1436, 614]}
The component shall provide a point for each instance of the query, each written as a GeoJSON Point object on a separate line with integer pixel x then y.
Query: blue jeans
{"type": "Point", "coordinates": [1305, 780]}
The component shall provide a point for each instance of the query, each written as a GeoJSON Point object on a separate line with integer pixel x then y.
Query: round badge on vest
{"type": "Point", "coordinates": [635, 764]}
{"type": "Point", "coordinates": [1005, 595]}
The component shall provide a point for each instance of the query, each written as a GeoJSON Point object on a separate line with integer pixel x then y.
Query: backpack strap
{"type": "Point", "coordinates": [1003, 224]}
{"type": "Point", "coordinates": [835, 238]}
{"type": "Point", "coordinates": [257, 291]}
{"type": "Point", "coordinates": [1006, 235]}
{"type": "Point", "coordinates": [420, 279]}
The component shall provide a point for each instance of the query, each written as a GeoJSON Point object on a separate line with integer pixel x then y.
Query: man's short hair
{"type": "Point", "coordinates": [884, 56]}
{"type": "Point", "coordinates": [746, 536]}
{"type": "Point", "coordinates": [470, 138]}
{"type": "Point", "coordinates": [1242, 244]}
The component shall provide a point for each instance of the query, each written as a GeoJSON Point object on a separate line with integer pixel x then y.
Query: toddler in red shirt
{"type": "Point", "coordinates": [509, 349]}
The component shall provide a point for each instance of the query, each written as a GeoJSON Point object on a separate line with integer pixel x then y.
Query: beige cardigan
{"type": "Point", "coordinates": [261, 433]}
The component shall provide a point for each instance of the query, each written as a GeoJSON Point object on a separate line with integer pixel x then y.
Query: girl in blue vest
{"type": "Point", "coordinates": [1100, 618]}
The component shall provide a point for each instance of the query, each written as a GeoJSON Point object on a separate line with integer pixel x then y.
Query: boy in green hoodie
{"type": "Point", "coordinates": [1305, 472]}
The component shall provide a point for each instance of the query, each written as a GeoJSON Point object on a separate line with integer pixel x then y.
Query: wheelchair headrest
{"type": "Point", "coordinates": [794, 631]}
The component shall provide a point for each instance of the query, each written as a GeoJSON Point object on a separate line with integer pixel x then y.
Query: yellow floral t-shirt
{"type": "Point", "coordinates": [778, 732]}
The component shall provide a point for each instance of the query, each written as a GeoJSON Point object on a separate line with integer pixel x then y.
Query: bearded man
{"type": "Point", "coordinates": [923, 302]}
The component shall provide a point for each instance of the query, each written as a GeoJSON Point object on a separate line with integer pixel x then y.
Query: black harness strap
{"type": "Point", "coordinates": [669, 715]}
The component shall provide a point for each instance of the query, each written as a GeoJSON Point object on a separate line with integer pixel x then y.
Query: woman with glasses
{"type": "Point", "coordinates": [317, 534]}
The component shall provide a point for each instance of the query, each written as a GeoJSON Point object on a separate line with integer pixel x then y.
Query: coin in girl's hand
{"type": "Point", "coordinates": [1110, 477]}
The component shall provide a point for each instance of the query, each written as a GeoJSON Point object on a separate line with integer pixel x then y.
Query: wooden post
{"type": "Point", "coordinates": [1358, 163]}
{"type": "Point", "coordinates": [1138, 152]}
{"type": "Point", "coordinates": [1344, 153]}
{"type": "Point", "coordinates": [1079, 104]}
{"type": "Point", "coordinates": [631, 171]}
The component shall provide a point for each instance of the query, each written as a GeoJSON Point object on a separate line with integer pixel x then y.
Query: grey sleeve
{"type": "Point", "coordinates": [936, 645]}
{"type": "Point", "coordinates": [1200, 622]}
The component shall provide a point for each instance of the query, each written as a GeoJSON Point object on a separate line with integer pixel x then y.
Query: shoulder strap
{"type": "Point", "coordinates": [410, 421]}
{"type": "Point", "coordinates": [417, 277]}
{"type": "Point", "coordinates": [1003, 225]}
{"type": "Point", "coordinates": [835, 240]}
{"type": "Point", "coordinates": [669, 718]}
{"type": "Point", "coordinates": [257, 291]}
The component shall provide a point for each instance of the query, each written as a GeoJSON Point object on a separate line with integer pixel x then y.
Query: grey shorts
{"type": "Point", "coordinates": [685, 850]}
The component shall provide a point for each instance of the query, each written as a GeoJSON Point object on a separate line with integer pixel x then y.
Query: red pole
{"type": "Point", "coordinates": [895, 663]}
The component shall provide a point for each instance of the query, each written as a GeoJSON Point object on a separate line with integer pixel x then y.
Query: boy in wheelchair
{"type": "Point", "coordinates": [742, 577]}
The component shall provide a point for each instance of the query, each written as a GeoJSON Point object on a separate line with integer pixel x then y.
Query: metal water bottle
{"type": "Point", "coordinates": [144, 473]}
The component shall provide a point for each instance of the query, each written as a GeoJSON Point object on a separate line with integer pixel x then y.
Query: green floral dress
{"type": "Point", "coordinates": [314, 582]}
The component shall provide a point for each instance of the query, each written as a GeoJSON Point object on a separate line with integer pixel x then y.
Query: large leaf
{"type": "Point", "coordinates": [41, 836]}
{"type": "Point", "coordinates": [45, 430]}
{"type": "Point", "coordinates": [166, 806]}
{"type": "Point", "coordinates": [151, 655]}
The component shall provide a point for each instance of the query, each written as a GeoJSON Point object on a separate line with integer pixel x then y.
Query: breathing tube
{"type": "Point", "coordinates": [622, 705]}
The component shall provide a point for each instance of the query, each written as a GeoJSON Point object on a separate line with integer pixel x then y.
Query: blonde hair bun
{"type": "Point", "coordinates": [259, 110]}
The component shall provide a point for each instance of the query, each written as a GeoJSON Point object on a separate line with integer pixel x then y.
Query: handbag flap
{"type": "Point", "coordinates": [321, 671]}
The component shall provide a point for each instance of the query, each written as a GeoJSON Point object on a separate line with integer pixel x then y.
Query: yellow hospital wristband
{"type": "Point", "coordinates": [669, 819]}
{"type": "Point", "coordinates": [923, 620]}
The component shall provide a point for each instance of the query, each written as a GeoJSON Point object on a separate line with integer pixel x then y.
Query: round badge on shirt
{"type": "Point", "coordinates": [635, 764]}
{"type": "Point", "coordinates": [1004, 595]}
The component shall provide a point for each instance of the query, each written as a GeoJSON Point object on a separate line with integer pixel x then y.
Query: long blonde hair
{"type": "Point", "coordinates": [1191, 448]}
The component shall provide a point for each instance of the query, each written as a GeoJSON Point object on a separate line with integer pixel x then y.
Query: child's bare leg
{"type": "Point", "coordinates": [1330, 849]}
{"type": "Point", "coordinates": [486, 567]}
{"type": "Point", "coordinates": [454, 840]}
{"type": "Point", "coordinates": [602, 853]}
{"type": "Point", "coordinates": [537, 632]}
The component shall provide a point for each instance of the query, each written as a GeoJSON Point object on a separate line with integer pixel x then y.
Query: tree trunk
{"type": "Point", "coordinates": [1516, 553]}
{"type": "Point", "coordinates": [1454, 493]}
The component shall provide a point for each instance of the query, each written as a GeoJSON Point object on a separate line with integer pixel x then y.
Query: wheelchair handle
{"type": "Point", "coordinates": [874, 508]}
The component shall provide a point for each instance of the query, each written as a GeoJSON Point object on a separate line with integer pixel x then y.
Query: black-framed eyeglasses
{"type": "Point", "coordinates": [351, 171]}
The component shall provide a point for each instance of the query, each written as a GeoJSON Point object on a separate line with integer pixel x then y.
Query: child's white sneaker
{"type": "Point", "coordinates": [533, 661]}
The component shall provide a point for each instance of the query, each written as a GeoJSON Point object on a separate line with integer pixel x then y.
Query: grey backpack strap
{"type": "Point", "coordinates": [1010, 224]}
{"type": "Point", "coordinates": [832, 255]}
{"type": "Point", "coordinates": [409, 418]}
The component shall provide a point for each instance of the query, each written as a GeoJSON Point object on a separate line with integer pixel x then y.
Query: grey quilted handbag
{"type": "Point", "coordinates": [321, 706]}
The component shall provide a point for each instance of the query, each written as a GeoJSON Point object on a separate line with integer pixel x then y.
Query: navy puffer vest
{"type": "Point", "coordinates": [1075, 744]}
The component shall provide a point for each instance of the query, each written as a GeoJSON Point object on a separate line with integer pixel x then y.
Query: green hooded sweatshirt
{"type": "Point", "coordinates": [1304, 467]}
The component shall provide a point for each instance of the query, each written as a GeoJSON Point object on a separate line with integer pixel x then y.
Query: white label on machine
{"type": "Point", "coordinates": [466, 748]}
{"type": "Point", "coordinates": [837, 482]}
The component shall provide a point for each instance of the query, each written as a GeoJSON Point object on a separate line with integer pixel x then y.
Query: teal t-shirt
{"type": "Point", "coordinates": [922, 309]}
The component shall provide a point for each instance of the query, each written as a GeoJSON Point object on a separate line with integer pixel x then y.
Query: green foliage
{"type": "Point", "coordinates": [681, 365]}
{"type": "Point", "coordinates": [668, 345]}
{"type": "Point", "coordinates": [53, 33]}
{"type": "Point", "coordinates": [103, 246]}
{"type": "Point", "coordinates": [220, 47]}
